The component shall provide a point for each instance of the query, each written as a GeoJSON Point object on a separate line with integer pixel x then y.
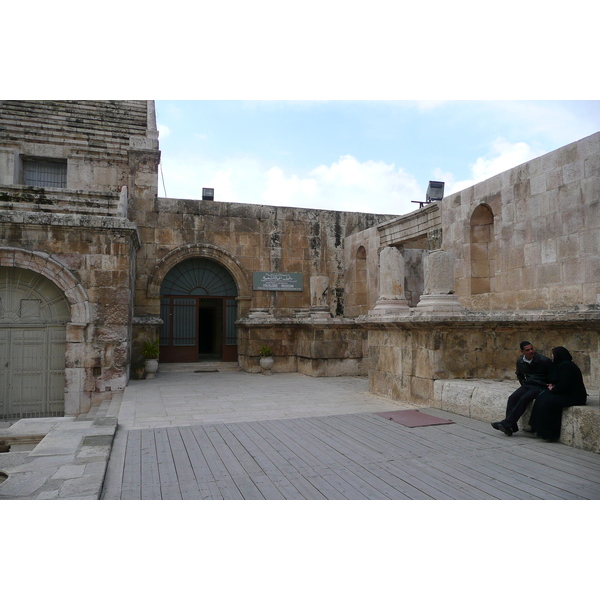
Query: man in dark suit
{"type": "Point", "coordinates": [533, 370]}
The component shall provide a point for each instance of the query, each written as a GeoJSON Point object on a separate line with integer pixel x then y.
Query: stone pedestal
{"type": "Point", "coordinates": [438, 295]}
{"type": "Point", "coordinates": [392, 300]}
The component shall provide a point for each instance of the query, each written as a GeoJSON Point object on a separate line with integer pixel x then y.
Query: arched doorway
{"type": "Point", "coordinates": [198, 308]}
{"type": "Point", "coordinates": [33, 319]}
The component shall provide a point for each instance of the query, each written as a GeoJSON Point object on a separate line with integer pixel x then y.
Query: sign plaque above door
{"type": "Point", "coordinates": [279, 282]}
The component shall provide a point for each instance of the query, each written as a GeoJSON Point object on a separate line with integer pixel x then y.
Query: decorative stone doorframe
{"type": "Point", "coordinates": [77, 396]}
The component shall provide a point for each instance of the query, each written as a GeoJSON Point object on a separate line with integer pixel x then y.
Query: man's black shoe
{"type": "Point", "coordinates": [496, 425]}
{"type": "Point", "coordinates": [529, 430]}
{"type": "Point", "coordinates": [505, 430]}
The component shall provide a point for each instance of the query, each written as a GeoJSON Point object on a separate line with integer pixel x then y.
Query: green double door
{"type": "Point", "coordinates": [33, 318]}
{"type": "Point", "coordinates": [32, 371]}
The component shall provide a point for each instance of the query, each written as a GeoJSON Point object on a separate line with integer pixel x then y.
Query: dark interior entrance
{"type": "Point", "coordinates": [210, 328]}
{"type": "Point", "coordinates": [199, 324]}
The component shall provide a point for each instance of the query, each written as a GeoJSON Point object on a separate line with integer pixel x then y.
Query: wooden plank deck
{"type": "Point", "coordinates": [357, 456]}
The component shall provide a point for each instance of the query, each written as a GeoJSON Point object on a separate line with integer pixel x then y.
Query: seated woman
{"type": "Point", "coordinates": [566, 388]}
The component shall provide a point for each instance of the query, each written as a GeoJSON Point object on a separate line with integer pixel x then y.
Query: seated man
{"type": "Point", "coordinates": [533, 370]}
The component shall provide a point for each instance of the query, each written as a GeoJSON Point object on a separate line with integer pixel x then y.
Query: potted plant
{"type": "Point", "coordinates": [266, 359]}
{"type": "Point", "coordinates": [150, 352]}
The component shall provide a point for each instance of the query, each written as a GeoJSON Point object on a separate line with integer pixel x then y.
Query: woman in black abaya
{"type": "Point", "coordinates": [566, 388]}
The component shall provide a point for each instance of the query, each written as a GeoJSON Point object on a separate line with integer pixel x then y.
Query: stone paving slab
{"type": "Point", "coordinates": [69, 463]}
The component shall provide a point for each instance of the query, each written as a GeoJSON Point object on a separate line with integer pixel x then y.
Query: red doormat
{"type": "Point", "coordinates": [413, 418]}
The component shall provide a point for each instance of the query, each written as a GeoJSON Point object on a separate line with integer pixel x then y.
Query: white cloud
{"type": "Point", "coordinates": [163, 131]}
{"type": "Point", "coordinates": [503, 156]}
{"type": "Point", "coordinates": [346, 185]}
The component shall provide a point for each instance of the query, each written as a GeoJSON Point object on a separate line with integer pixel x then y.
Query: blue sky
{"type": "Point", "coordinates": [366, 156]}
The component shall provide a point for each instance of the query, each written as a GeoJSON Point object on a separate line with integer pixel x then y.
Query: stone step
{"type": "Point", "coordinates": [203, 366]}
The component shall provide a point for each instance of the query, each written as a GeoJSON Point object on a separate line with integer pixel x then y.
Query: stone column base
{"type": "Point", "coordinates": [439, 303]}
{"type": "Point", "coordinates": [390, 307]}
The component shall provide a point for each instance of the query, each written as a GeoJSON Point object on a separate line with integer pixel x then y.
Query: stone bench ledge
{"type": "Point", "coordinates": [485, 400]}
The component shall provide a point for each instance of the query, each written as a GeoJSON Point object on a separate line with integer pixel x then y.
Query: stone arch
{"type": "Point", "coordinates": [76, 398]}
{"type": "Point", "coordinates": [224, 258]}
{"type": "Point", "coordinates": [481, 249]}
{"type": "Point", "coordinates": [45, 265]}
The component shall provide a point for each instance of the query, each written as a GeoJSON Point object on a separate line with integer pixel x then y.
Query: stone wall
{"type": "Point", "coordinates": [361, 261]}
{"type": "Point", "coordinates": [525, 246]}
{"type": "Point", "coordinates": [91, 261]}
{"type": "Point", "coordinates": [329, 348]}
{"type": "Point", "coordinates": [93, 136]}
{"type": "Point", "coordinates": [79, 236]}
{"type": "Point", "coordinates": [529, 238]}
{"type": "Point", "coordinates": [246, 238]}
{"type": "Point", "coordinates": [407, 356]}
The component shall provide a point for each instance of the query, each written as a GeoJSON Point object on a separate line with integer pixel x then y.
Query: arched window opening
{"type": "Point", "coordinates": [361, 299]}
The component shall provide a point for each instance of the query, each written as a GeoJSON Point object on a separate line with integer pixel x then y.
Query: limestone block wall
{"type": "Point", "coordinates": [407, 356]}
{"type": "Point", "coordinates": [361, 274]}
{"type": "Point", "coordinates": [529, 238]}
{"type": "Point", "coordinates": [92, 136]}
{"type": "Point", "coordinates": [92, 260]}
{"type": "Point", "coordinates": [246, 238]}
{"type": "Point", "coordinates": [279, 336]}
{"type": "Point", "coordinates": [318, 349]}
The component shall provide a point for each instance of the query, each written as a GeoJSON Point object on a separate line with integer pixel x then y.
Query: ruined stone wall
{"type": "Point", "coordinates": [529, 238]}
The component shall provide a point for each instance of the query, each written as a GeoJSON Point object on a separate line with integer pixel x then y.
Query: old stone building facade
{"type": "Point", "coordinates": [91, 259]}
{"type": "Point", "coordinates": [93, 262]}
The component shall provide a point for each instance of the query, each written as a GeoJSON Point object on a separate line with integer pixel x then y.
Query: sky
{"type": "Point", "coordinates": [362, 156]}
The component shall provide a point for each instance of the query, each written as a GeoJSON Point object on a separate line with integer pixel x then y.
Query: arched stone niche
{"type": "Point", "coordinates": [481, 249]}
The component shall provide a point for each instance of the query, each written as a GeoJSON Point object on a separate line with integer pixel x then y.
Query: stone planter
{"type": "Point", "coordinates": [266, 363]}
{"type": "Point", "coordinates": [151, 367]}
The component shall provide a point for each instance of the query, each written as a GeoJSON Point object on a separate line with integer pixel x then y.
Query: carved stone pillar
{"type": "Point", "coordinates": [438, 295]}
{"type": "Point", "coordinates": [392, 300]}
